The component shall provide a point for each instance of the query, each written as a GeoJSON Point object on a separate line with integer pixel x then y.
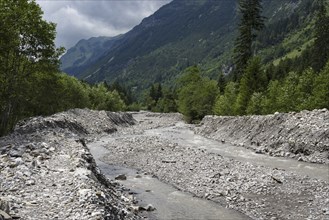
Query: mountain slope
{"type": "Point", "coordinates": [84, 53]}
{"type": "Point", "coordinates": [184, 33]}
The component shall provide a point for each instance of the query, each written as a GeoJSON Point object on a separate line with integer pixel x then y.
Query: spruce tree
{"type": "Point", "coordinates": [251, 22]}
{"type": "Point", "coordinates": [321, 44]}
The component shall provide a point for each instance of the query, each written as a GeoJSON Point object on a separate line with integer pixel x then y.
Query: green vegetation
{"type": "Point", "coordinates": [196, 95]}
{"type": "Point", "coordinates": [282, 69]}
{"type": "Point", "coordinates": [251, 22]}
{"type": "Point", "coordinates": [299, 81]}
{"type": "Point", "coordinates": [30, 81]}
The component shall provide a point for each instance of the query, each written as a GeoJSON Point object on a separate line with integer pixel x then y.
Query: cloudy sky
{"type": "Point", "coordinates": [82, 19]}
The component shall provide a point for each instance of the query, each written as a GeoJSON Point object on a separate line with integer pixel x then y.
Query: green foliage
{"type": "Point", "coordinates": [255, 104]}
{"type": "Point", "coordinates": [251, 22]}
{"type": "Point", "coordinates": [252, 81]}
{"type": "Point", "coordinates": [103, 99]}
{"type": "Point", "coordinates": [295, 92]}
{"type": "Point", "coordinates": [321, 44]}
{"type": "Point", "coordinates": [160, 99]}
{"type": "Point", "coordinates": [221, 83]}
{"type": "Point", "coordinates": [27, 46]}
{"type": "Point", "coordinates": [196, 95]}
{"type": "Point", "coordinates": [224, 104]}
{"type": "Point", "coordinates": [270, 100]}
{"type": "Point", "coordinates": [320, 92]}
{"type": "Point", "coordinates": [124, 92]}
{"type": "Point", "coordinates": [167, 102]}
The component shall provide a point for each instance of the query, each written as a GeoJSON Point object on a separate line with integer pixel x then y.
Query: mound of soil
{"type": "Point", "coordinates": [303, 136]}
{"type": "Point", "coordinates": [47, 172]}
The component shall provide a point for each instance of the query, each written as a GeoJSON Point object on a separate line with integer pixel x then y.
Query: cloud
{"type": "Point", "coordinates": [83, 19]}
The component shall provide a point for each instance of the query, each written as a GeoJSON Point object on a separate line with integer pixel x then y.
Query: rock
{"type": "Point", "coordinates": [4, 215]}
{"type": "Point", "coordinates": [276, 179]}
{"type": "Point", "coordinates": [259, 150]}
{"type": "Point", "coordinates": [30, 182]}
{"type": "Point", "coordinates": [16, 152]}
{"type": "Point", "coordinates": [135, 208]}
{"type": "Point", "coordinates": [4, 205]}
{"type": "Point", "coordinates": [149, 208]}
{"type": "Point", "coordinates": [121, 177]}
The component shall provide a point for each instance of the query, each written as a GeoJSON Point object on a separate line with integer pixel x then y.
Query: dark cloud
{"type": "Point", "coordinates": [90, 18]}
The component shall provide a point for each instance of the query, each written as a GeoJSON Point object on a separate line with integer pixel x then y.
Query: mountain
{"type": "Point", "coordinates": [184, 33]}
{"type": "Point", "coordinates": [84, 53]}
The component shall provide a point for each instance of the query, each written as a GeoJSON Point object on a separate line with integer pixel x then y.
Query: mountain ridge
{"type": "Point", "coordinates": [184, 33]}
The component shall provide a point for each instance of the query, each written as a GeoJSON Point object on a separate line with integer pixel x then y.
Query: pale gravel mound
{"type": "Point", "coordinates": [48, 173]}
{"type": "Point", "coordinates": [78, 121]}
{"type": "Point", "coordinates": [303, 135]}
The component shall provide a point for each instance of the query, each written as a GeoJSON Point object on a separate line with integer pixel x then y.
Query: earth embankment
{"type": "Point", "coordinates": [47, 172]}
{"type": "Point", "coordinates": [303, 136]}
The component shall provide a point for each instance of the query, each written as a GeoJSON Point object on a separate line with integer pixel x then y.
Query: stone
{"type": "Point", "coordinates": [4, 215]}
{"type": "Point", "coordinates": [16, 152]}
{"type": "Point", "coordinates": [4, 205]}
{"type": "Point", "coordinates": [121, 177]}
{"type": "Point", "coordinates": [30, 182]}
{"type": "Point", "coordinates": [149, 207]}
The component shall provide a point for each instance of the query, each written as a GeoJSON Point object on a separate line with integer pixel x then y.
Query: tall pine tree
{"type": "Point", "coordinates": [251, 22]}
{"type": "Point", "coordinates": [321, 44]}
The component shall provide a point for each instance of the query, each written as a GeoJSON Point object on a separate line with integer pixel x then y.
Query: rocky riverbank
{"type": "Point", "coordinates": [260, 192]}
{"type": "Point", "coordinates": [303, 136]}
{"type": "Point", "coordinates": [48, 173]}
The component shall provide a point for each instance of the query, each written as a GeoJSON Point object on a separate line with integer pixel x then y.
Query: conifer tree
{"type": "Point", "coordinates": [251, 81]}
{"type": "Point", "coordinates": [251, 22]}
{"type": "Point", "coordinates": [321, 44]}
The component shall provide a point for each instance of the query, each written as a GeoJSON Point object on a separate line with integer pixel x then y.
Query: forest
{"type": "Point", "coordinates": [31, 83]}
{"type": "Point", "coordinates": [254, 86]}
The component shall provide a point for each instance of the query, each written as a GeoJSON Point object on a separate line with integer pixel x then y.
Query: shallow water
{"type": "Point", "coordinates": [184, 136]}
{"type": "Point", "coordinates": [169, 202]}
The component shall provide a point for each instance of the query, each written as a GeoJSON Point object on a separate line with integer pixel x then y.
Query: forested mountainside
{"type": "Point", "coordinates": [185, 33]}
{"type": "Point", "coordinates": [182, 58]}
{"type": "Point", "coordinates": [85, 52]}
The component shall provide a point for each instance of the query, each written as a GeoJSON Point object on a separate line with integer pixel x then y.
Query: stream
{"type": "Point", "coordinates": [183, 136]}
{"type": "Point", "coordinates": [171, 203]}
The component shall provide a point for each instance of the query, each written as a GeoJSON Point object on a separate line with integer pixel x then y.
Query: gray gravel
{"type": "Point", "coordinates": [258, 191]}
{"type": "Point", "coordinates": [303, 136]}
{"type": "Point", "coordinates": [48, 173]}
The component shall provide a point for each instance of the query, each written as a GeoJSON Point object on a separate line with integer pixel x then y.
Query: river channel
{"type": "Point", "coordinates": [171, 203]}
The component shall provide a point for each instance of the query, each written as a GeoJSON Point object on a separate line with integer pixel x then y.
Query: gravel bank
{"type": "Point", "coordinates": [303, 136]}
{"type": "Point", "coordinates": [258, 191]}
{"type": "Point", "coordinates": [48, 173]}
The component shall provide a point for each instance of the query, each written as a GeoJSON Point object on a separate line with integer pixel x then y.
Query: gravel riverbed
{"type": "Point", "coordinates": [47, 171]}
{"type": "Point", "coordinates": [260, 192]}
